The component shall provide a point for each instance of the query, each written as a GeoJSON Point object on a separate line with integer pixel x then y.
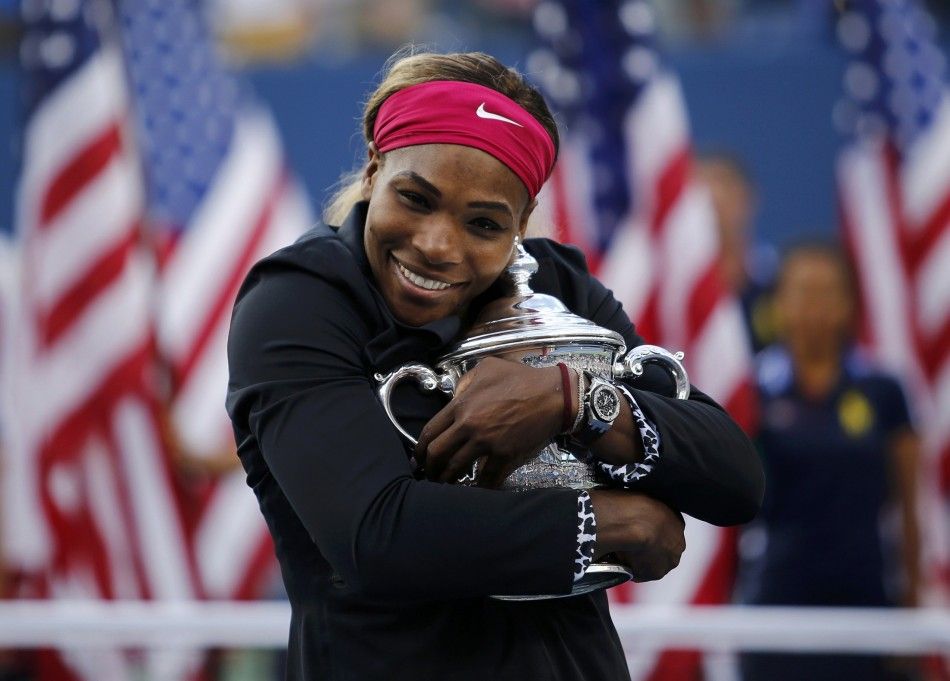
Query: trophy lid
{"type": "Point", "coordinates": [528, 319]}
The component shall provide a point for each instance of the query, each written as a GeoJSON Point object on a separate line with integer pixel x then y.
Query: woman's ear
{"type": "Point", "coordinates": [373, 163]}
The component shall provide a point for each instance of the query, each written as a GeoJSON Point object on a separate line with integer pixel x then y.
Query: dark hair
{"type": "Point", "coordinates": [406, 68]}
{"type": "Point", "coordinates": [731, 162]}
{"type": "Point", "coordinates": [821, 247]}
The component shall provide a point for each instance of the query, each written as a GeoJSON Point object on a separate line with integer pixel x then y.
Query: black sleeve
{"type": "Point", "coordinates": [707, 467]}
{"type": "Point", "coordinates": [300, 387]}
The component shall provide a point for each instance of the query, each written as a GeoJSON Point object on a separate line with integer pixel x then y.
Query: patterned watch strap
{"type": "Point", "coordinates": [629, 473]}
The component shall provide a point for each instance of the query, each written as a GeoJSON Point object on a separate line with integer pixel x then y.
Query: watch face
{"type": "Point", "coordinates": [605, 403]}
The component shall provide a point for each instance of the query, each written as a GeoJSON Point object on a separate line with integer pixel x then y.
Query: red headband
{"type": "Point", "coordinates": [455, 112]}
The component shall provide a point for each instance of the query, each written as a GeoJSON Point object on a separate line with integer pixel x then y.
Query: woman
{"type": "Point", "coordinates": [838, 451]}
{"type": "Point", "coordinates": [389, 570]}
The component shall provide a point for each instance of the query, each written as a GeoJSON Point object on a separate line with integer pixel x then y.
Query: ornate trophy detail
{"type": "Point", "coordinates": [540, 331]}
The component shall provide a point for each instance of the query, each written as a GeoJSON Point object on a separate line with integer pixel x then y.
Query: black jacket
{"type": "Point", "coordinates": [388, 576]}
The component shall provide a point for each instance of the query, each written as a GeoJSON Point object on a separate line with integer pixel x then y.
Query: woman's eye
{"type": "Point", "coordinates": [487, 225]}
{"type": "Point", "coordinates": [415, 198]}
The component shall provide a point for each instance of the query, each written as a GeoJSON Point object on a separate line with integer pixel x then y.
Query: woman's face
{"type": "Point", "coordinates": [440, 228]}
{"type": "Point", "coordinates": [814, 303]}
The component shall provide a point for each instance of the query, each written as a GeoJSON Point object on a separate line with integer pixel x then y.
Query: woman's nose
{"type": "Point", "coordinates": [437, 241]}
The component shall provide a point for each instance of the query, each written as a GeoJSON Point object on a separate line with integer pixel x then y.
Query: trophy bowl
{"type": "Point", "coordinates": [538, 330]}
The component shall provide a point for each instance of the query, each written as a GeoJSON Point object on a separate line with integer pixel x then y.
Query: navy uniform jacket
{"type": "Point", "coordinates": [818, 539]}
{"type": "Point", "coordinates": [389, 576]}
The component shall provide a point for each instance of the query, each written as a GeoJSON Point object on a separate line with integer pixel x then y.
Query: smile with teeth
{"type": "Point", "coordinates": [420, 281]}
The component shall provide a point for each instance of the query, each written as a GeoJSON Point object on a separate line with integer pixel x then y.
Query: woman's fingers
{"type": "Point", "coordinates": [436, 426]}
{"type": "Point", "coordinates": [491, 473]}
{"type": "Point", "coordinates": [644, 533]}
{"type": "Point", "coordinates": [442, 451]}
{"type": "Point", "coordinates": [460, 463]}
{"type": "Point", "coordinates": [648, 566]}
{"type": "Point", "coordinates": [661, 550]}
{"type": "Point", "coordinates": [495, 470]}
{"type": "Point", "coordinates": [501, 410]}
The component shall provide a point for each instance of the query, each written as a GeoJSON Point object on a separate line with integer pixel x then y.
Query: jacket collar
{"type": "Point", "coordinates": [351, 234]}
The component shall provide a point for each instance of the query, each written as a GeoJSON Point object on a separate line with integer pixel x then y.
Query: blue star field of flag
{"type": "Point", "coordinates": [895, 80]}
{"type": "Point", "coordinates": [59, 37]}
{"type": "Point", "coordinates": [185, 103]}
{"type": "Point", "coordinates": [595, 61]}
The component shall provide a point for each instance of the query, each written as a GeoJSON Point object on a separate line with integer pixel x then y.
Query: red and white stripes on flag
{"type": "Point", "coordinates": [94, 317]}
{"type": "Point", "coordinates": [252, 208]}
{"type": "Point", "coordinates": [90, 503]}
{"type": "Point", "coordinates": [219, 198]}
{"type": "Point", "coordinates": [663, 265]}
{"type": "Point", "coordinates": [896, 219]}
{"type": "Point", "coordinates": [661, 262]}
{"type": "Point", "coordinates": [894, 188]}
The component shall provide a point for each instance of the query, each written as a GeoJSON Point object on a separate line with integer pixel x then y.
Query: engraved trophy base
{"type": "Point", "coordinates": [598, 576]}
{"type": "Point", "coordinates": [552, 467]}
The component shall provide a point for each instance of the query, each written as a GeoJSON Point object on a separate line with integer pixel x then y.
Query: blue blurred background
{"type": "Point", "coordinates": [761, 79]}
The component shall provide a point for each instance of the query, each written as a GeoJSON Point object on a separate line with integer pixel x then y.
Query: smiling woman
{"type": "Point", "coordinates": [388, 564]}
{"type": "Point", "coordinates": [434, 238]}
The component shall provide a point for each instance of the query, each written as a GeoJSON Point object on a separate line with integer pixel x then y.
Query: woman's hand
{"type": "Point", "coordinates": [644, 534]}
{"type": "Point", "coordinates": [503, 411]}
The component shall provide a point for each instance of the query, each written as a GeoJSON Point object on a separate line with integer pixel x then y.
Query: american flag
{"type": "Point", "coordinates": [219, 197]}
{"type": "Point", "coordinates": [150, 183]}
{"type": "Point", "coordinates": [90, 503]}
{"type": "Point", "coordinates": [894, 186]}
{"type": "Point", "coordinates": [623, 191]}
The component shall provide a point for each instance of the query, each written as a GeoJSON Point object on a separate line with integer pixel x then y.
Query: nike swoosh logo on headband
{"type": "Point", "coordinates": [481, 113]}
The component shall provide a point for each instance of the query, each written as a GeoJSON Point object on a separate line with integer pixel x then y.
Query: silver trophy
{"type": "Point", "coordinates": [540, 331]}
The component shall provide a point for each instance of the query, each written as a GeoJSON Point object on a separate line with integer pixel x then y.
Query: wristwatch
{"type": "Point", "coordinates": [601, 407]}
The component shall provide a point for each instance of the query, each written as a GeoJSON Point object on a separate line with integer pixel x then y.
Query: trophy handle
{"type": "Point", "coordinates": [632, 365]}
{"type": "Point", "coordinates": [425, 377]}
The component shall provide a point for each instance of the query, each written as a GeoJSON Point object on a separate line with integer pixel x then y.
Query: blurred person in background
{"type": "Point", "coordinates": [840, 456]}
{"type": "Point", "coordinates": [388, 569]}
{"type": "Point", "coordinates": [746, 266]}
